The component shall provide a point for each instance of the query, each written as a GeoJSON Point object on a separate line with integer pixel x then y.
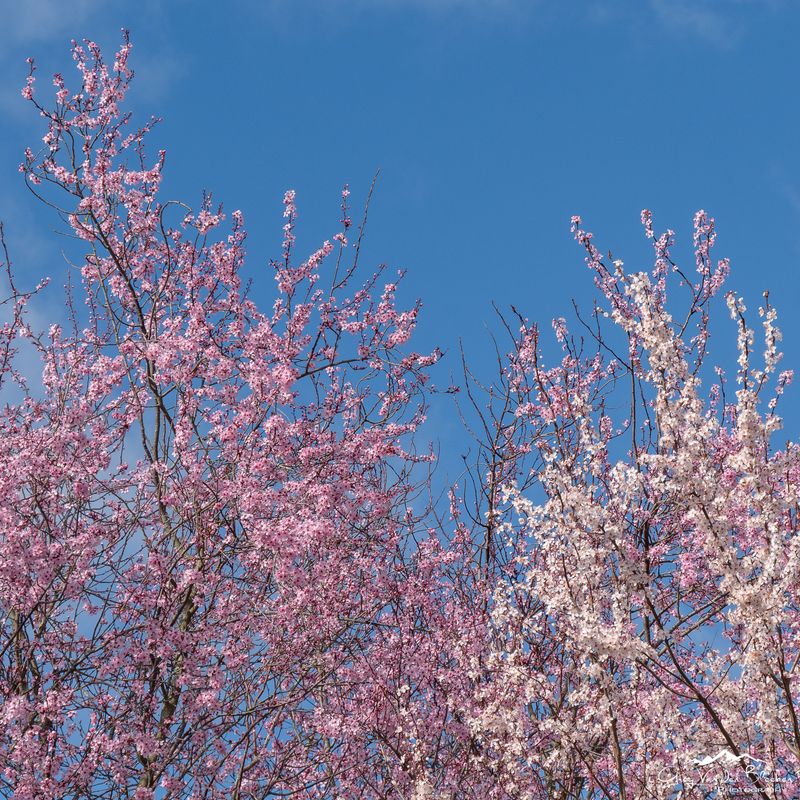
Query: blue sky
{"type": "Point", "coordinates": [492, 123]}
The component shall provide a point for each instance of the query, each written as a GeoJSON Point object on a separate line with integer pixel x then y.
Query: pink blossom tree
{"type": "Point", "coordinates": [202, 505]}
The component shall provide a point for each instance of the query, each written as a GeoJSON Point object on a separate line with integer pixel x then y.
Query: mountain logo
{"type": "Point", "coordinates": [727, 758]}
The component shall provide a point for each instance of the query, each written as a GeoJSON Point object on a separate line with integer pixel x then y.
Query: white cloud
{"type": "Point", "coordinates": [710, 21]}
{"type": "Point", "coordinates": [342, 9]}
{"type": "Point", "coordinates": [721, 23]}
{"type": "Point", "coordinates": [35, 21]}
{"type": "Point", "coordinates": [718, 22]}
{"type": "Point", "coordinates": [424, 5]}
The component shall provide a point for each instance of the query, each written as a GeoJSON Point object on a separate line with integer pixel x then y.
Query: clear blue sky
{"type": "Point", "coordinates": [492, 123]}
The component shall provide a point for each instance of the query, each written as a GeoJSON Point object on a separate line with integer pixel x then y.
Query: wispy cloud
{"type": "Point", "coordinates": [711, 21]}
{"type": "Point", "coordinates": [721, 23]}
{"type": "Point", "coordinates": [498, 10]}
{"type": "Point", "coordinates": [36, 21]}
{"type": "Point", "coordinates": [693, 16]}
{"type": "Point", "coordinates": [718, 22]}
{"type": "Point", "coordinates": [489, 6]}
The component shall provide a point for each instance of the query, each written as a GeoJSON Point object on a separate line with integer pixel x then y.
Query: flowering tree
{"type": "Point", "coordinates": [643, 637]}
{"type": "Point", "coordinates": [622, 620]}
{"type": "Point", "coordinates": [202, 504]}
{"type": "Point", "coordinates": [221, 578]}
{"type": "Point", "coordinates": [664, 553]}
